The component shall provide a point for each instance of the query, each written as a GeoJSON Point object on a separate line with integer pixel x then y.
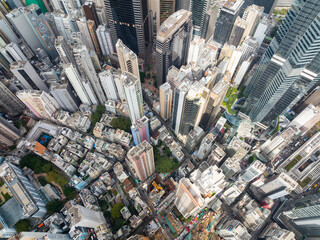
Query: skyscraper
{"type": "Point", "coordinates": [167, 7]}
{"type": "Point", "coordinates": [28, 76]}
{"type": "Point", "coordinates": [83, 217]}
{"type": "Point", "coordinates": [140, 131]}
{"type": "Point", "coordinates": [141, 160]}
{"type": "Point", "coordinates": [133, 95]}
{"type": "Point", "coordinates": [105, 40]}
{"type": "Point", "coordinates": [128, 60]}
{"type": "Point", "coordinates": [8, 101]}
{"type": "Point", "coordinates": [92, 30]}
{"type": "Point", "coordinates": [165, 101]}
{"type": "Point", "coordinates": [6, 30]}
{"type": "Point", "coordinates": [188, 198]}
{"type": "Point", "coordinates": [8, 133]}
{"type": "Point", "coordinates": [85, 33]}
{"type": "Point", "coordinates": [108, 84]}
{"type": "Point", "coordinates": [64, 51]}
{"type": "Point", "coordinates": [290, 68]}
{"type": "Point", "coordinates": [172, 43]}
{"type": "Point", "coordinates": [87, 71]}
{"type": "Point", "coordinates": [63, 94]}
{"type": "Point", "coordinates": [128, 21]}
{"type": "Point", "coordinates": [34, 28]}
{"type": "Point", "coordinates": [198, 9]}
{"type": "Point", "coordinates": [12, 53]}
{"type": "Point", "coordinates": [226, 19]}
{"type": "Point", "coordinates": [237, 32]}
{"type": "Point", "coordinates": [40, 103]}
{"type": "Point", "coordinates": [90, 12]}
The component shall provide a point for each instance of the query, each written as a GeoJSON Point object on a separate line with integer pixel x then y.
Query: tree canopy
{"type": "Point", "coordinates": [115, 211]}
{"type": "Point", "coordinates": [23, 225]}
{"type": "Point", "coordinates": [121, 122]}
{"type": "Point", "coordinates": [164, 163]}
{"type": "Point", "coordinates": [53, 206]}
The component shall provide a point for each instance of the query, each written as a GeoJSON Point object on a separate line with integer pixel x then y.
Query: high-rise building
{"type": "Point", "coordinates": [92, 31]}
{"type": "Point", "coordinates": [210, 20]}
{"type": "Point", "coordinates": [182, 4]}
{"type": "Point", "coordinates": [28, 76]}
{"type": "Point", "coordinates": [286, 72]}
{"type": "Point", "coordinates": [65, 24]}
{"type": "Point", "coordinates": [232, 229]}
{"type": "Point", "coordinates": [172, 43]}
{"type": "Point", "coordinates": [237, 33]}
{"type": "Point", "coordinates": [141, 160]}
{"type": "Point", "coordinates": [198, 9]}
{"type": "Point", "coordinates": [85, 33]}
{"type": "Point", "coordinates": [34, 28]}
{"type": "Point", "coordinates": [252, 15]}
{"type": "Point", "coordinates": [108, 84]}
{"type": "Point", "coordinates": [44, 58]}
{"type": "Point", "coordinates": [9, 102]}
{"type": "Point", "coordinates": [12, 53]}
{"type": "Point", "coordinates": [64, 51]}
{"type": "Point", "coordinates": [226, 19]}
{"type": "Point", "coordinates": [105, 40]}
{"type": "Point", "coordinates": [63, 94]}
{"type": "Point", "coordinates": [43, 235]}
{"type": "Point", "coordinates": [128, 21]}
{"type": "Point", "coordinates": [23, 191]}
{"type": "Point", "coordinates": [133, 95]}
{"type": "Point", "coordinates": [40, 103]}
{"type": "Point", "coordinates": [193, 138]}
{"type": "Point", "coordinates": [87, 70]}
{"type": "Point", "coordinates": [90, 12]}
{"type": "Point", "coordinates": [80, 85]}
{"type": "Point", "coordinates": [128, 60]}
{"type": "Point", "coordinates": [140, 131]}
{"type": "Point", "coordinates": [165, 101]}
{"type": "Point", "coordinates": [167, 7]}
{"type": "Point", "coordinates": [6, 30]}
{"type": "Point", "coordinates": [8, 133]}
{"type": "Point", "coordinates": [84, 217]}
{"type": "Point", "coordinates": [188, 198]}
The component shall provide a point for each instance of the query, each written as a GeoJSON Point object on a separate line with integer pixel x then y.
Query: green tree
{"type": "Point", "coordinates": [47, 167]}
{"type": "Point", "coordinates": [97, 115]}
{"type": "Point", "coordinates": [164, 163]}
{"type": "Point", "coordinates": [115, 211]}
{"type": "Point", "coordinates": [55, 176]}
{"type": "Point", "coordinates": [53, 206]}
{"type": "Point", "coordinates": [69, 192]}
{"type": "Point", "coordinates": [23, 225]}
{"type": "Point", "coordinates": [33, 162]}
{"type": "Point", "coordinates": [42, 181]}
{"type": "Point", "coordinates": [142, 77]}
{"type": "Point", "coordinates": [121, 122]}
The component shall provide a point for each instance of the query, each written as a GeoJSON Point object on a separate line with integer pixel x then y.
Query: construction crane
{"type": "Point", "coordinates": [156, 186]}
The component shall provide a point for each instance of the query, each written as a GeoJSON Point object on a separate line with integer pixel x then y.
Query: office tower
{"type": "Point", "coordinates": [87, 70]}
{"type": "Point", "coordinates": [105, 40]}
{"type": "Point", "coordinates": [261, 31]}
{"type": "Point", "coordinates": [182, 4]}
{"type": "Point", "coordinates": [280, 186]}
{"type": "Point", "coordinates": [28, 76]}
{"type": "Point", "coordinates": [8, 230]}
{"type": "Point", "coordinates": [303, 214]}
{"type": "Point", "coordinates": [43, 235]}
{"type": "Point", "coordinates": [34, 28]}
{"type": "Point", "coordinates": [188, 198]}
{"type": "Point", "coordinates": [198, 9]}
{"type": "Point", "coordinates": [165, 101]}
{"type": "Point", "coordinates": [85, 33]}
{"type": "Point", "coordinates": [226, 19]}
{"type": "Point", "coordinates": [23, 191]}
{"type": "Point", "coordinates": [172, 43]}
{"type": "Point", "coordinates": [210, 20]}
{"type": "Point", "coordinates": [193, 138]}
{"type": "Point", "coordinates": [237, 33]}
{"type": "Point", "coordinates": [179, 98]}
{"type": "Point", "coordinates": [128, 21]}
{"type": "Point", "coordinates": [248, 47]}
{"type": "Point", "coordinates": [286, 72]}
{"type": "Point", "coordinates": [40, 103]}
{"type": "Point", "coordinates": [84, 217]}
{"type": "Point", "coordinates": [44, 58]}
{"type": "Point", "coordinates": [128, 60]}
{"type": "Point", "coordinates": [234, 61]}
{"type": "Point", "coordinates": [167, 7]}
{"type": "Point", "coordinates": [284, 3]}
{"type": "Point", "coordinates": [64, 96]}
{"type": "Point", "coordinates": [108, 84]}
{"type": "Point", "coordinates": [92, 31]}
{"type": "Point", "coordinates": [90, 12]}
{"type": "Point", "coordinates": [268, 5]}
{"type": "Point", "coordinates": [215, 99]}
{"type": "Point", "coordinates": [80, 85]}
{"type": "Point", "coordinates": [64, 51]}
{"type": "Point", "coordinates": [141, 160]}
{"type": "Point", "coordinates": [8, 133]}
{"type": "Point", "coordinates": [133, 95]}
{"type": "Point", "coordinates": [65, 24]}
{"type": "Point", "coordinates": [6, 30]}
{"type": "Point", "coordinates": [140, 131]}
{"type": "Point", "coordinates": [12, 53]}
{"type": "Point", "coordinates": [243, 69]}
{"type": "Point", "coordinates": [206, 145]}
{"type": "Point", "coordinates": [252, 16]}
{"type": "Point", "coordinates": [9, 102]}
{"type": "Point", "coordinates": [194, 106]}
{"type": "Point", "coordinates": [195, 48]}
{"type": "Point", "coordinates": [274, 232]}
